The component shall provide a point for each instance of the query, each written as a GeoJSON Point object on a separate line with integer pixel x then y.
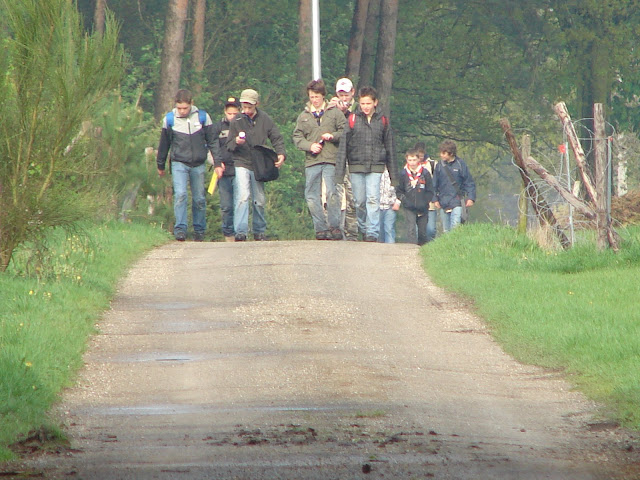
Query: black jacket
{"type": "Point", "coordinates": [415, 198]}
{"type": "Point", "coordinates": [221, 131]}
{"type": "Point", "coordinates": [258, 130]}
{"type": "Point", "coordinates": [368, 147]}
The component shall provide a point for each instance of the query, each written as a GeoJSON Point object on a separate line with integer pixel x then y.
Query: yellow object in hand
{"type": "Point", "coordinates": [213, 183]}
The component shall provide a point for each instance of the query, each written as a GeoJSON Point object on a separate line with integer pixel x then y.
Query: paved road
{"type": "Point", "coordinates": [314, 360]}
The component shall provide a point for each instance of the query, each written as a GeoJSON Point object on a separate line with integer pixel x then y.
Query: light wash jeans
{"type": "Point", "coordinates": [452, 219]}
{"type": "Point", "coordinates": [245, 186]}
{"type": "Point", "coordinates": [182, 176]}
{"type": "Point", "coordinates": [314, 176]}
{"type": "Point", "coordinates": [366, 193]}
{"type": "Point", "coordinates": [432, 226]}
{"type": "Point", "coordinates": [387, 226]}
{"type": "Point", "coordinates": [225, 188]}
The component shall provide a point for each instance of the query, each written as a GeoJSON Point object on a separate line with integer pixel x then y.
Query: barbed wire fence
{"type": "Point", "coordinates": [560, 162]}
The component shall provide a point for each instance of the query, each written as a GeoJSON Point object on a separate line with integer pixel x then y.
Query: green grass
{"type": "Point", "coordinates": [52, 294]}
{"type": "Point", "coordinates": [576, 311]}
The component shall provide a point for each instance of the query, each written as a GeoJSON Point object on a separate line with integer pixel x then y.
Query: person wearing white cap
{"type": "Point", "coordinates": [250, 128]}
{"type": "Point", "coordinates": [344, 100]}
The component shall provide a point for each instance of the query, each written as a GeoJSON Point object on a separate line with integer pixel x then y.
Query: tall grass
{"type": "Point", "coordinates": [571, 310]}
{"type": "Point", "coordinates": [51, 296]}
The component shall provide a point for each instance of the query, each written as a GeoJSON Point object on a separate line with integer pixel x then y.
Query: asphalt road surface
{"type": "Point", "coordinates": [315, 360]}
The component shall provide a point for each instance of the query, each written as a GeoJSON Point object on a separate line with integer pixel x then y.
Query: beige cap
{"type": "Point", "coordinates": [249, 96]}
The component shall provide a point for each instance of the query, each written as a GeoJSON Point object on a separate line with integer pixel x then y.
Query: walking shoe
{"type": "Point", "coordinates": [259, 237]}
{"type": "Point", "coordinates": [240, 237]}
{"type": "Point", "coordinates": [230, 238]}
{"type": "Point", "coordinates": [198, 237]}
{"type": "Point", "coordinates": [180, 236]}
{"type": "Point", "coordinates": [323, 235]}
{"type": "Point", "coordinates": [336, 234]}
{"type": "Point", "coordinates": [370, 238]}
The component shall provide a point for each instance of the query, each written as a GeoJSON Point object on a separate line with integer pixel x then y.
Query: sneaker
{"type": "Point", "coordinates": [323, 235]}
{"type": "Point", "coordinates": [336, 234]}
{"type": "Point", "coordinates": [259, 237]}
{"type": "Point", "coordinates": [241, 237]}
{"type": "Point", "coordinates": [370, 238]}
{"type": "Point", "coordinates": [180, 236]}
{"type": "Point", "coordinates": [198, 237]}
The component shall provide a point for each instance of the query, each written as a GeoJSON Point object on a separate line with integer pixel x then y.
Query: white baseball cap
{"type": "Point", "coordinates": [344, 85]}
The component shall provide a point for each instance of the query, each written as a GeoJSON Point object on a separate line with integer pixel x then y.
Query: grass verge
{"type": "Point", "coordinates": [52, 294]}
{"type": "Point", "coordinates": [570, 310]}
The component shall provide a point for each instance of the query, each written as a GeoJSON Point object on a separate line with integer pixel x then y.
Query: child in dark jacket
{"type": "Point", "coordinates": [414, 192]}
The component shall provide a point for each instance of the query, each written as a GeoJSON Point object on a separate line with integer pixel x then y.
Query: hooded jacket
{"type": "Point", "coordinates": [310, 128]}
{"type": "Point", "coordinates": [188, 141]}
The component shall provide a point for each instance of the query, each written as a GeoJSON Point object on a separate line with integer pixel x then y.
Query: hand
{"type": "Point", "coordinates": [469, 202]}
{"type": "Point", "coordinates": [161, 172]}
{"type": "Point", "coordinates": [240, 140]}
{"type": "Point", "coordinates": [327, 137]}
{"type": "Point", "coordinates": [396, 207]}
{"type": "Point", "coordinates": [315, 148]}
{"type": "Point", "coordinates": [437, 204]}
{"type": "Point", "coordinates": [280, 161]}
{"type": "Point", "coordinates": [219, 171]}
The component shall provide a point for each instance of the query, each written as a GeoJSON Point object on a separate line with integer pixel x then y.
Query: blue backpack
{"type": "Point", "coordinates": [202, 116]}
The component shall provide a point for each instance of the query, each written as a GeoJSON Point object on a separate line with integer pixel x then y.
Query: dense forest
{"type": "Point", "coordinates": [446, 69]}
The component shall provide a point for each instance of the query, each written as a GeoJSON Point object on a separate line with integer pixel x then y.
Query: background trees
{"type": "Point", "coordinates": [451, 70]}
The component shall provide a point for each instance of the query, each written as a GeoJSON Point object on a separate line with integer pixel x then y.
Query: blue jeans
{"type": "Point", "coordinates": [314, 176]}
{"type": "Point", "coordinates": [183, 175]}
{"type": "Point", "coordinates": [366, 193]}
{"type": "Point", "coordinates": [387, 226]}
{"type": "Point", "coordinates": [245, 186]}
{"type": "Point", "coordinates": [452, 219]}
{"type": "Point", "coordinates": [225, 187]}
{"type": "Point", "coordinates": [432, 225]}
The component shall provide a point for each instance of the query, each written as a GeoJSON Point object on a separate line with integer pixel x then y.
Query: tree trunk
{"type": "Point", "coordinates": [304, 43]}
{"type": "Point", "coordinates": [171, 60]}
{"type": "Point", "coordinates": [98, 16]}
{"type": "Point", "coordinates": [386, 51]}
{"type": "Point", "coordinates": [358, 23]}
{"type": "Point", "coordinates": [368, 59]}
{"type": "Point", "coordinates": [199, 16]}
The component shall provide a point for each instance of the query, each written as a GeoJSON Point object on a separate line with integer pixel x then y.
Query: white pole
{"type": "Point", "coordinates": [315, 42]}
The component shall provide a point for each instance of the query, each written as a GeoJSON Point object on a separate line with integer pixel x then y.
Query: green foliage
{"type": "Point", "coordinates": [55, 73]}
{"type": "Point", "coordinates": [52, 294]}
{"type": "Point", "coordinates": [571, 310]}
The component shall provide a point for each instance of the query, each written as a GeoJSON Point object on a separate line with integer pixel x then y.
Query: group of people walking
{"type": "Point", "coordinates": [353, 187]}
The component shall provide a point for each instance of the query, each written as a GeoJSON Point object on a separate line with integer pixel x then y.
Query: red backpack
{"type": "Point", "coordinates": [352, 121]}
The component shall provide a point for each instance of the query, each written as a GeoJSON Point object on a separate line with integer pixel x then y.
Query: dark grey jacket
{"type": "Point", "coordinates": [368, 147]}
{"type": "Point", "coordinates": [221, 132]}
{"type": "Point", "coordinates": [258, 130]}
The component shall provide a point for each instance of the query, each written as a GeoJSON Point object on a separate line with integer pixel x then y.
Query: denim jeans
{"type": "Point", "coordinates": [432, 225]}
{"type": "Point", "coordinates": [245, 186]}
{"type": "Point", "coordinates": [225, 188]}
{"type": "Point", "coordinates": [387, 226]}
{"type": "Point", "coordinates": [366, 193]}
{"type": "Point", "coordinates": [452, 219]}
{"type": "Point", "coordinates": [314, 176]}
{"type": "Point", "coordinates": [183, 175]}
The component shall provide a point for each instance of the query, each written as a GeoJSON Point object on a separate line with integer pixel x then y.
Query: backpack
{"type": "Point", "coordinates": [202, 116]}
{"type": "Point", "coordinates": [352, 121]}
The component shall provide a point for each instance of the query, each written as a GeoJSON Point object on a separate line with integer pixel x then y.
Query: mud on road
{"type": "Point", "coordinates": [315, 360]}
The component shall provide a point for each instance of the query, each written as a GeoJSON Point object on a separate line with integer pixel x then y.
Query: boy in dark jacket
{"type": "Point", "coordinates": [414, 192]}
{"type": "Point", "coordinates": [367, 147]}
{"type": "Point", "coordinates": [225, 168]}
{"type": "Point", "coordinates": [187, 139]}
